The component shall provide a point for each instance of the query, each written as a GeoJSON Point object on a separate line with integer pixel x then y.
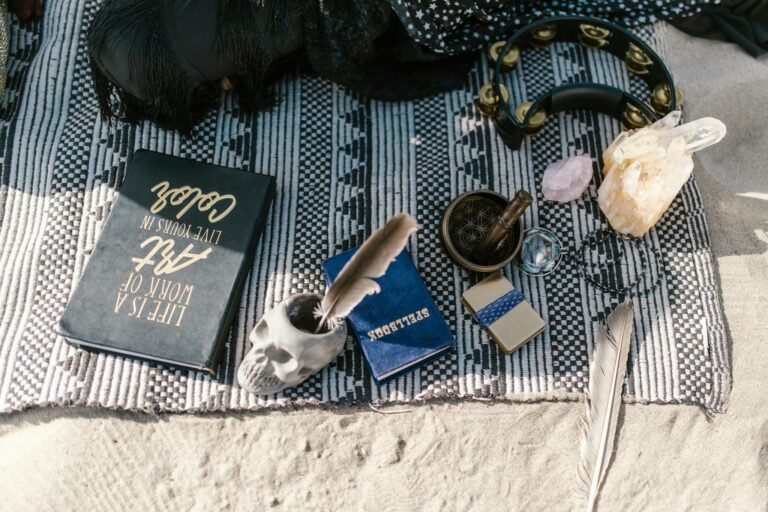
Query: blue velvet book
{"type": "Point", "coordinates": [400, 328]}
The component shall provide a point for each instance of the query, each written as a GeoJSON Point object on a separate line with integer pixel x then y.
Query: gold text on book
{"type": "Point", "coordinates": [157, 300]}
{"type": "Point", "coordinates": [396, 325]}
{"type": "Point", "coordinates": [188, 197]}
{"type": "Point", "coordinates": [169, 260]}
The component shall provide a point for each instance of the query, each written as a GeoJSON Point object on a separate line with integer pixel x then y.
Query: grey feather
{"type": "Point", "coordinates": [355, 281]}
{"type": "Point", "coordinates": [606, 379]}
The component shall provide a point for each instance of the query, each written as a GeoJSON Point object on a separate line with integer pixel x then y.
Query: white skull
{"type": "Point", "coordinates": [285, 351]}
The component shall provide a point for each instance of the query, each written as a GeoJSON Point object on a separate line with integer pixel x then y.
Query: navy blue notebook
{"type": "Point", "coordinates": [400, 328]}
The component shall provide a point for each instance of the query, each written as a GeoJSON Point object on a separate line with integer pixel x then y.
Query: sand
{"type": "Point", "coordinates": [456, 456]}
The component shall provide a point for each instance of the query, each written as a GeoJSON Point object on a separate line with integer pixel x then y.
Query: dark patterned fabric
{"type": "Point", "coordinates": [455, 26]}
{"type": "Point", "coordinates": [744, 22]}
{"type": "Point", "coordinates": [343, 164]}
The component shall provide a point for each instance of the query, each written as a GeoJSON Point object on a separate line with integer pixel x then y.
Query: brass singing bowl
{"type": "Point", "coordinates": [465, 221]}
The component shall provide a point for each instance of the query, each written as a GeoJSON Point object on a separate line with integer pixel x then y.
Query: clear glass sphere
{"type": "Point", "coordinates": [541, 252]}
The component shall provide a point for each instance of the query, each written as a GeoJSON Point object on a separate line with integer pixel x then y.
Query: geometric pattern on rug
{"type": "Point", "coordinates": [343, 165]}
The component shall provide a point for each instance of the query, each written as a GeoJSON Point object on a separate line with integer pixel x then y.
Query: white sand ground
{"type": "Point", "coordinates": [456, 456]}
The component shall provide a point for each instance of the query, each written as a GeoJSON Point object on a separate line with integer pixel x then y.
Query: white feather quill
{"type": "Point", "coordinates": [355, 281]}
{"type": "Point", "coordinates": [606, 379]}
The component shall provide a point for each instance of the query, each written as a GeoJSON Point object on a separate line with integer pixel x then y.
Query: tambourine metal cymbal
{"type": "Point", "coordinates": [514, 122]}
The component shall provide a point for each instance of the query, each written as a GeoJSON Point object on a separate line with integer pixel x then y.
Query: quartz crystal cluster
{"type": "Point", "coordinates": [645, 169]}
{"type": "Point", "coordinates": [566, 179]}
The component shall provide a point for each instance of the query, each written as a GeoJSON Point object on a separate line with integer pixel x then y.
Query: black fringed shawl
{"type": "Point", "coordinates": [362, 45]}
{"type": "Point", "coordinates": [162, 59]}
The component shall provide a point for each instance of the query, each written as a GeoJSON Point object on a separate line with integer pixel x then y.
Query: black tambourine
{"type": "Point", "coordinates": [514, 122]}
{"type": "Point", "coordinates": [542, 252]}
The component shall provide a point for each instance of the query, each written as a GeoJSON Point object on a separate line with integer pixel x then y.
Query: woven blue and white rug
{"type": "Point", "coordinates": [343, 164]}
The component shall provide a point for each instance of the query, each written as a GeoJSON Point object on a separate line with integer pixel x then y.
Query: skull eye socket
{"type": "Point", "coordinates": [262, 330]}
{"type": "Point", "coordinates": [277, 355]}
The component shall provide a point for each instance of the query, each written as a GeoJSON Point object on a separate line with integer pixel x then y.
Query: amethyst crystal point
{"type": "Point", "coordinates": [566, 179]}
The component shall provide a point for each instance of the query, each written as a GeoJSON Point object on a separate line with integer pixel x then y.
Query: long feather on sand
{"type": "Point", "coordinates": [606, 379]}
